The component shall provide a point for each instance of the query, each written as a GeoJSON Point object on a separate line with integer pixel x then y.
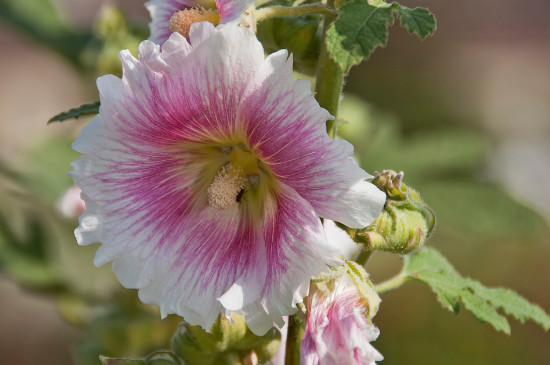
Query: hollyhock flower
{"type": "Point", "coordinates": [338, 331]}
{"type": "Point", "coordinates": [178, 15]}
{"type": "Point", "coordinates": [205, 173]}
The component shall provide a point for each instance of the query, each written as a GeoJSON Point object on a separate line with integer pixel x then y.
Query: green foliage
{"type": "Point", "coordinates": [418, 20]}
{"type": "Point", "coordinates": [362, 26]}
{"type": "Point", "coordinates": [358, 30]}
{"type": "Point", "coordinates": [84, 109]}
{"type": "Point", "coordinates": [226, 343]}
{"type": "Point", "coordinates": [24, 233]}
{"type": "Point", "coordinates": [430, 267]}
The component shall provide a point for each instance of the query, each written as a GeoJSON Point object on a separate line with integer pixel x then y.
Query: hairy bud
{"type": "Point", "coordinates": [405, 222]}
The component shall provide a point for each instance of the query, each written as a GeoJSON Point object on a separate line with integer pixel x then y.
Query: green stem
{"type": "Point", "coordinates": [329, 79]}
{"type": "Point", "coordinates": [364, 257]}
{"type": "Point", "coordinates": [292, 355]}
{"type": "Point", "coordinates": [279, 11]}
{"type": "Point", "coordinates": [392, 283]}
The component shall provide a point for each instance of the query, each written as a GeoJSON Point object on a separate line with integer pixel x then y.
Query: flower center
{"type": "Point", "coordinates": [227, 185]}
{"type": "Point", "coordinates": [182, 20]}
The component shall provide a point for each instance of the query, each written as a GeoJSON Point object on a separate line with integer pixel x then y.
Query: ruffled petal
{"type": "Point", "coordinates": [337, 330]}
{"type": "Point", "coordinates": [286, 126]}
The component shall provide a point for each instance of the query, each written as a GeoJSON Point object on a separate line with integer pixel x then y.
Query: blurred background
{"type": "Point", "coordinates": [464, 113]}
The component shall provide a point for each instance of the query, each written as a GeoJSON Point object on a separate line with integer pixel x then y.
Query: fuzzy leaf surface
{"type": "Point", "coordinates": [486, 304]}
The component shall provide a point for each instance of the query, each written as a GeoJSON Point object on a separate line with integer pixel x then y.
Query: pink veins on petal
{"type": "Point", "coordinates": [205, 174]}
{"type": "Point", "coordinates": [337, 329]}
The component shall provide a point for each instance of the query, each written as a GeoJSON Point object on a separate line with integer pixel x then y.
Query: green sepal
{"type": "Point", "coordinates": [405, 223]}
{"type": "Point", "coordinates": [365, 286]}
{"type": "Point", "coordinates": [430, 267]}
{"type": "Point", "coordinates": [224, 341]}
{"type": "Point", "coordinates": [84, 109]}
{"type": "Point", "coordinates": [326, 281]}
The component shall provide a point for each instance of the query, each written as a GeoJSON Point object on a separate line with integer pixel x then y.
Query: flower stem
{"type": "Point", "coordinates": [364, 257]}
{"type": "Point", "coordinates": [292, 354]}
{"type": "Point", "coordinates": [329, 79]}
{"type": "Point", "coordinates": [279, 11]}
{"type": "Point", "coordinates": [392, 283]}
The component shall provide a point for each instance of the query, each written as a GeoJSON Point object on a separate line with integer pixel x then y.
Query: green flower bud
{"type": "Point", "coordinates": [226, 343]}
{"type": "Point", "coordinates": [300, 35]}
{"type": "Point", "coordinates": [405, 222]}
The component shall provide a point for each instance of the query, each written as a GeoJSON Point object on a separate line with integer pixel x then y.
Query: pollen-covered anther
{"type": "Point", "coordinates": [227, 185]}
{"type": "Point", "coordinates": [182, 20]}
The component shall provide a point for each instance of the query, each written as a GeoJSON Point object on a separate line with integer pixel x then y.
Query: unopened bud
{"type": "Point", "coordinates": [301, 36]}
{"type": "Point", "coordinates": [405, 222]}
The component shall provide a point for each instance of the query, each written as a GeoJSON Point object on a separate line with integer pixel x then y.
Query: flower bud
{"type": "Point", "coordinates": [300, 35]}
{"type": "Point", "coordinates": [405, 222]}
{"type": "Point", "coordinates": [226, 341]}
{"type": "Point", "coordinates": [339, 329]}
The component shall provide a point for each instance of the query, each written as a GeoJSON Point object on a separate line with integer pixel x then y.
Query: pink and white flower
{"type": "Point", "coordinates": [216, 11]}
{"type": "Point", "coordinates": [205, 174]}
{"type": "Point", "coordinates": [338, 331]}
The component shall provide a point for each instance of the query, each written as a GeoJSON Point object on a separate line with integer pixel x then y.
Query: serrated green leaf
{"type": "Point", "coordinates": [84, 109]}
{"type": "Point", "coordinates": [430, 267]}
{"type": "Point", "coordinates": [358, 30]}
{"type": "Point", "coordinates": [418, 20]}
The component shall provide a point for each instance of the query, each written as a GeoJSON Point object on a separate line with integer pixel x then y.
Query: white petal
{"type": "Point", "coordinates": [341, 241]}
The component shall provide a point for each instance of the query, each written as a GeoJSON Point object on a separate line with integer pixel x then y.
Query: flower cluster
{"type": "Point", "coordinates": [206, 172]}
